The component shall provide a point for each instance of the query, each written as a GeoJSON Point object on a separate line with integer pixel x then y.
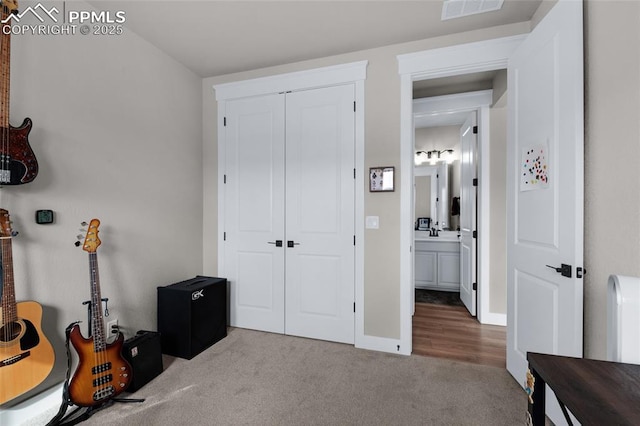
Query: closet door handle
{"type": "Point", "coordinates": [278, 243]}
{"type": "Point", "coordinates": [290, 244]}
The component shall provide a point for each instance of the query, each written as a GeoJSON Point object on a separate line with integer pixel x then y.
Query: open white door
{"type": "Point", "coordinates": [468, 194]}
{"type": "Point", "coordinates": [545, 190]}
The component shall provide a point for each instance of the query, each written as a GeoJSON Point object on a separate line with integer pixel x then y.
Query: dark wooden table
{"type": "Point", "coordinates": [596, 392]}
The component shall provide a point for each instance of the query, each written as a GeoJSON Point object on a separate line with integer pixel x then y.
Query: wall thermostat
{"type": "Point", "coordinates": [44, 217]}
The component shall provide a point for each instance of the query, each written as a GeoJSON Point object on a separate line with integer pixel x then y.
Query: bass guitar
{"type": "Point", "coordinates": [26, 356]}
{"type": "Point", "coordinates": [102, 372]}
{"type": "Point", "coordinates": [18, 163]}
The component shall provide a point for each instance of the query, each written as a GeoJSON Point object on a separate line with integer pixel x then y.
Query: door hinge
{"type": "Point", "coordinates": [475, 130]}
{"type": "Point", "coordinates": [225, 179]}
{"type": "Point", "coordinates": [475, 286]}
{"type": "Point", "coordinates": [354, 306]}
{"type": "Point", "coordinates": [354, 173]}
{"type": "Point", "coordinates": [224, 121]}
{"type": "Point", "coordinates": [354, 240]}
{"type": "Point", "coordinates": [354, 106]}
{"type": "Point", "coordinates": [475, 182]}
{"type": "Point", "coordinates": [475, 234]}
{"type": "Point", "coordinates": [224, 236]}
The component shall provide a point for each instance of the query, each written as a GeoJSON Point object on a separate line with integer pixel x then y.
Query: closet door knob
{"type": "Point", "coordinates": [278, 243]}
{"type": "Point", "coordinates": [290, 244]}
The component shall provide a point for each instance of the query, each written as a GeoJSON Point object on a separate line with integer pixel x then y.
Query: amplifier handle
{"type": "Point", "coordinates": [196, 282]}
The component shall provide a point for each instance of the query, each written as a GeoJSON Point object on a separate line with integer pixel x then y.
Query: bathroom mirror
{"type": "Point", "coordinates": [431, 194]}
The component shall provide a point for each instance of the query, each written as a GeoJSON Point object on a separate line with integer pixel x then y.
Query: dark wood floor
{"type": "Point", "coordinates": [451, 332]}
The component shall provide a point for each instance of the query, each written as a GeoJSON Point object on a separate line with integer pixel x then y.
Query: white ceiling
{"type": "Point", "coordinates": [221, 37]}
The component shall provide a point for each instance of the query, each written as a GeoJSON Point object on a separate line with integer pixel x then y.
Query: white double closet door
{"type": "Point", "coordinates": [289, 212]}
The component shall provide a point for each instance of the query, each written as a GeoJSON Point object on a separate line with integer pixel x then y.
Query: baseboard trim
{"type": "Point", "coordinates": [494, 319]}
{"type": "Point", "coordinates": [383, 344]}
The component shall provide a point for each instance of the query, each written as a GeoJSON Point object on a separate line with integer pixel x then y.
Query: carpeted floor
{"type": "Point", "coordinates": [438, 297]}
{"type": "Point", "coordinates": [256, 378]}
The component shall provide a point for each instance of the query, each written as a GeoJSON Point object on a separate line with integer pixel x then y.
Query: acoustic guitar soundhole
{"type": "Point", "coordinates": [10, 331]}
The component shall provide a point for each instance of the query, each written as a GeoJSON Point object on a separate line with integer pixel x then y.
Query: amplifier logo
{"type": "Point", "coordinates": [197, 294]}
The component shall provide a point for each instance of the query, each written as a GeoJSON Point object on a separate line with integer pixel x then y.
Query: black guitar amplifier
{"type": "Point", "coordinates": [192, 315]}
{"type": "Point", "coordinates": [144, 354]}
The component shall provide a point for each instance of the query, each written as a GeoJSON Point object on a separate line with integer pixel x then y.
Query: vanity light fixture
{"type": "Point", "coordinates": [434, 156]}
{"type": "Point", "coordinates": [418, 157]}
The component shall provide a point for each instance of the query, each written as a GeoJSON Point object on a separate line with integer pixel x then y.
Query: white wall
{"type": "Point", "coordinates": [612, 154]}
{"type": "Point", "coordinates": [118, 136]}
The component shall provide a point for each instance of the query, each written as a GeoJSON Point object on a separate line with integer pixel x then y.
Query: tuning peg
{"type": "Point", "coordinates": [77, 243]}
{"type": "Point", "coordinates": [14, 233]}
{"type": "Point", "coordinates": [79, 236]}
{"type": "Point", "coordinates": [84, 224]}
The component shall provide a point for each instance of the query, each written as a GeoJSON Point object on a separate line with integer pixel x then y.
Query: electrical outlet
{"type": "Point", "coordinates": [112, 328]}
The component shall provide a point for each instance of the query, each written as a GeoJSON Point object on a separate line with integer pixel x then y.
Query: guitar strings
{"type": "Point", "coordinates": [100, 356]}
{"type": "Point", "coordinates": [9, 313]}
{"type": "Point", "coordinates": [95, 316]}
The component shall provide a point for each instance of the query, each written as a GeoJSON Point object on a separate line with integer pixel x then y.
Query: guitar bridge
{"type": "Point", "coordinates": [14, 359]}
{"type": "Point", "coordinates": [104, 393]}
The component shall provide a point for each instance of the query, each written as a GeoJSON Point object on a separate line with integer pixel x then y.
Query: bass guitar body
{"type": "Point", "coordinates": [18, 163]}
{"type": "Point", "coordinates": [26, 356]}
{"type": "Point", "coordinates": [100, 374]}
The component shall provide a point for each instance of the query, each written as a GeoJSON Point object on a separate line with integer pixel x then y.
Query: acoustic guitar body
{"type": "Point", "coordinates": [26, 356]}
{"type": "Point", "coordinates": [100, 375]}
{"type": "Point", "coordinates": [18, 163]}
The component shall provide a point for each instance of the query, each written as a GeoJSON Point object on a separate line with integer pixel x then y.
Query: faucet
{"type": "Point", "coordinates": [433, 232]}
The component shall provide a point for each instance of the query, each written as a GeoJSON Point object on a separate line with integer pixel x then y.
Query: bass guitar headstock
{"type": "Point", "coordinates": [91, 240]}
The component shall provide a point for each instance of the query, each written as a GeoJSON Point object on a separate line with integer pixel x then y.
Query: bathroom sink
{"type": "Point", "coordinates": [442, 236]}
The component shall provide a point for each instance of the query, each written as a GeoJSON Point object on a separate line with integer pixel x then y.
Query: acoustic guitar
{"type": "Point", "coordinates": [18, 163]}
{"type": "Point", "coordinates": [26, 356]}
{"type": "Point", "coordinates": [102, 372]}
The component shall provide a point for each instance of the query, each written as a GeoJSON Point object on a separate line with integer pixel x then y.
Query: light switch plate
{"type": "Point", "coordinates": [372, 222]}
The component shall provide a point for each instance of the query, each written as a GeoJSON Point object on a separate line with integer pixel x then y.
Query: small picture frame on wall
{"type": "Point", "coordinates": [381, 179]}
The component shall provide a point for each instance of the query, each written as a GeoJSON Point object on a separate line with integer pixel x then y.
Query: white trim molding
{"type": "Point", "coordinates": [299, 80]}
{"type": "Point", "coordinates": [466, 58]}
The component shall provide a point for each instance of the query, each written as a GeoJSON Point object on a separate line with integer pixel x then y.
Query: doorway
{"type": "Point", "coordinates": [460, 124]}
{"type": "Point", "coordinates": [470, 58]}
{"type": "Point", "coordinates": [456, 122]}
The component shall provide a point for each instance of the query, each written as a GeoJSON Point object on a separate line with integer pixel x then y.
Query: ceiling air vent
{"type": "Point", "coordinates": [459, 8]}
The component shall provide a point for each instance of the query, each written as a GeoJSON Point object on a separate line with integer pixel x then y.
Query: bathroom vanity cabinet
{"type": "Point", "coordinates": [437, 264]}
